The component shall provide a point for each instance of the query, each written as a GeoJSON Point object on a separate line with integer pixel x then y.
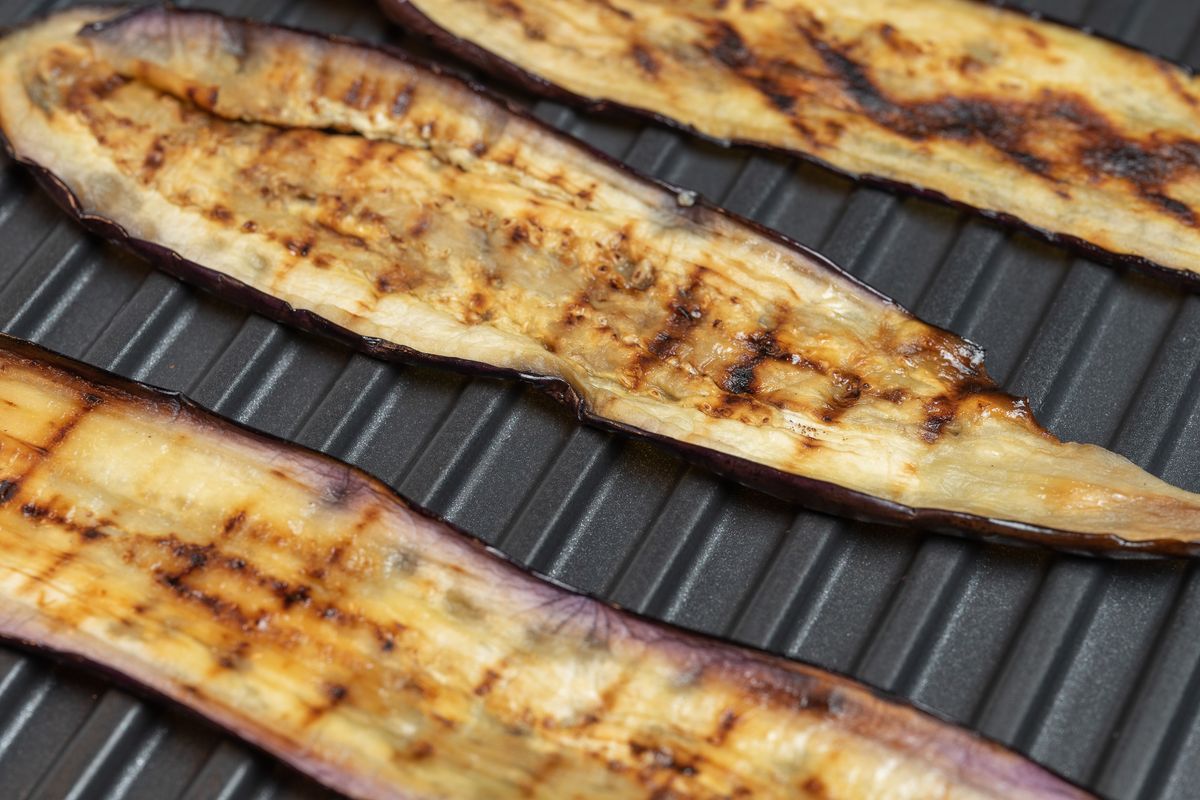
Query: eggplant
{"type": "Point", "coordinates": [352, 192]}
{"type": "Point", "coordinates": [1083, 140]}
{"type": "Point", "coordinates": [303, 606]}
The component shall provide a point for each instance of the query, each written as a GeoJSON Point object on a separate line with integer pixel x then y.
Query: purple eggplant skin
{"type": "Point", "coordinates": [818, 495]}
{"type": "Point", "coordinates": [759, 681]}
{"type": "Point", "coordinates": [406, 15]}
{"type": "Point", "coordinates": [813, 493]}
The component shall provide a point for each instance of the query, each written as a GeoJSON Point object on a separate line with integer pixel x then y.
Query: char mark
{"type": "Point", "coordinates": [609, 6]}
{"type": "Point", "coordinates": [739, 378]}
{"type": "Point", "coordinates": [1175, 208]}
{"type": "Point", "coordinates": [728, 46]}
{"type": "Point", "coordinates": [34, 511]}
{"type": "Point", "coordinates": [684, 314]}
{"type": "Point", "coordinates": [646, 60]}
{"type": "Point", "coordinates": [847, 391]}
{"type": "Point", "coordinates": [1122, 159]}
{"type": "Point", "coordinates": [402, 101]}
{"type": "Point", "coordinates": [7, 490]}
{"type": "Point", "coordinates": [1005, 125]}
{"type": "Point", "coordinates": [939, 412]}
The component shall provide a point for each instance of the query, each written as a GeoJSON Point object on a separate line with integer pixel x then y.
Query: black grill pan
{"type": "Point", "coordinates": [1090, 667]}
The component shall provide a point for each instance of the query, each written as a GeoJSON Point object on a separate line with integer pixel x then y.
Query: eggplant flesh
{"type": "Point", "coordinates": [350, 191]}
{"type": "Point", "coordinates": [300, 604]}
{"type": "Point", "coordinates": [1082, 139]}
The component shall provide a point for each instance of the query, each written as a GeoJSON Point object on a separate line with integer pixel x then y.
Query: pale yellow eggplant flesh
{"type": "Point", "coordinates": [1084, 140]}
{"type": "Point", "coordinates": [349, 191]}
{"type": "Point", "coordinates": [302, 605]}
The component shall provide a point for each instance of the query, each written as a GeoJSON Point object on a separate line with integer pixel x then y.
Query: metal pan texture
{"type": "Point", "coordinates": [1091, 667]}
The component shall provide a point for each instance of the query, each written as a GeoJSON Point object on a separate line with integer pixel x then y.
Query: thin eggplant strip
{"type": "Point", "coordinates": [348, 191]}
{"type": "Point", "coordinates": [1084, 140]}
{"type": "Point", "coordinates": [300, 604]}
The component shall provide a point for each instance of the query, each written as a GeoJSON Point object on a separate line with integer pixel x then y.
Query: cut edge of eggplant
{"type": "Point", "coordinates": [405, 14]}
{"type": "Point", "coordinates": [811, 493]}
{"type": "Point", "coordinates": [180, 405]}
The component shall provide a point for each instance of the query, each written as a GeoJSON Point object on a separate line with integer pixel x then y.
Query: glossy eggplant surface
{"type": "Point", "coordinates": [1077, 137]}
{"type": "Point", "coordinates": [349, 191]}
{"type": "Point", "coordinates": [302, 605]}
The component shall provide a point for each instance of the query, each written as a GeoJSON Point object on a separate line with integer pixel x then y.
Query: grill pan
{"type": "Point", "coordinates": [1091, 667]}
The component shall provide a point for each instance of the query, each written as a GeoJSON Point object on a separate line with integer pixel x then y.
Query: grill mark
{"type": "Point", "coordinates": [725, 725]}
{"type": "Point", "coordinates": [336, 693]}
{"type": "Point", "coordinates": [90, 401]}
{"type": "Point", "coordinates": [847, 389]}
{"type": "Point", "coordinates": [155, 158]}
{"type": "Point", "coordinates": [727, 46]}
{"type": "Point", "coordinates": [1008, 126]}
{"type": "Point", "coordinates": [1181, 211]}
{"type": "Point", "coordinates": [815, 788]}
{"type": "Point", "coordinates": [44, 451]}
{"type": "Point", "coordinates": [402, 102]}
{"type": "Point", "coordinates": [657, 757]}
{"type": "Point", "coordinates": [61, 560]}
{"type": "Point", "coordinates": [196, 557]}
{"type": "Point", "coordinates": [203, 97]}
{"type": "Point", "coordinates": [490, 677]}
{"type": "Point", "coordinates": [233, 522]}
{"type": "Point", "coordinates": [740, 377]}
{"type": "Point", "coordinates": [684, 314]}
{"type": "Point", "coordinates": [219, 213]}
{"type": "Point", "coordinates": [608, 5]}
{"type": "Point", "coordinates": [646, 60]}
{"type": "Point", "coordinates": [939, 412]}
{"type": "Point", "coordinates": [354, 92]}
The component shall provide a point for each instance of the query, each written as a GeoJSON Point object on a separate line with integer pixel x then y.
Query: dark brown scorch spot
{"type": "Point", "coordinates": [1082, 139]}
{"type": "Point", "coordinates": [303, 606]}
{"type": "Point", "coordinates": [455, 230]}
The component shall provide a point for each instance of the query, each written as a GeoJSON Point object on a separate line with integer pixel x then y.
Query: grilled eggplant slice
{"type": "Point", "coordinates": [1082, 139]}
{"type": "Point", "coordinates": [346, 190]}
{"type": "Point", "coordinates": [302, 605]}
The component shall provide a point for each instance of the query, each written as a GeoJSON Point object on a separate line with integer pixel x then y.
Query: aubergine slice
{"type": "Point", "coordinates": [1084, 140]}
{"type": "Point", "coordinates": [348, 191]}
{"type": "Point", "coordinates": [302, 605]}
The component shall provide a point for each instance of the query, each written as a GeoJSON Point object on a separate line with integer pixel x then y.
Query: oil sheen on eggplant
{"type": "Point", "coordinates": [299, 603]}
{"type": "Point", "coordinates": [344, 189]}
{"type": "Point", "coordinates": [1080, 138]}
